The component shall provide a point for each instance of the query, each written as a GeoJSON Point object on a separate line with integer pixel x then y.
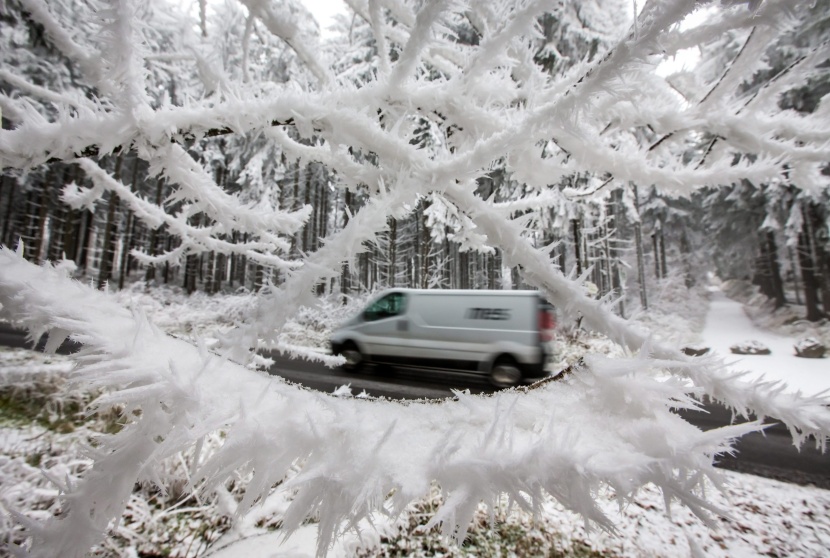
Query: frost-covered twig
{"type": "Point", "coordinates": [284, 26]}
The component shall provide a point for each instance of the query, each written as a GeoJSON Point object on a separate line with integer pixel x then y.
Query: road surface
{"type": "Point", "coordinates": [770, 454]}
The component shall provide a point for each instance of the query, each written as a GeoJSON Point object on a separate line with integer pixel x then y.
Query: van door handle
{"type": "Point", "coordinates": [403, 325]}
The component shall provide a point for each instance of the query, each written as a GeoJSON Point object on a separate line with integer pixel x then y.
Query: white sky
{"type": "Point", "coordinates": [324, 10]}
{"type": "Point", "coordinates": [687, 58]}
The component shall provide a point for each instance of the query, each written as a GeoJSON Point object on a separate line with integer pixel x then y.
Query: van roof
{"type": "Point", "coordinates": [463, 292]}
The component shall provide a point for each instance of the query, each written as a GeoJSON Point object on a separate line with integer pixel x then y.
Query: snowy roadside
{"type": "Point", "coordinates": [769, 517]}
{"type": "Point", "coordinates": [728, 325]}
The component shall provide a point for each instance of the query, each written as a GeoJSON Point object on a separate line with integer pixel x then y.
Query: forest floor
{"type": "Point", "coordinates": [43, 430]}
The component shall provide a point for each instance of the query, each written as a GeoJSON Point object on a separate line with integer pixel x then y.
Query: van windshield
{"type": "Point", "coordinates": [388, 306]}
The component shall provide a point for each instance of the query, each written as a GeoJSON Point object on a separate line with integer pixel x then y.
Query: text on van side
{"type": "Point", "coordinates": [488, 313]}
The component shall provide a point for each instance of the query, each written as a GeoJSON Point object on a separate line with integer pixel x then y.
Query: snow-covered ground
{"type": "Point", "coordinates": [764, 517]}
{"type": "Point", "coordinates": [727, 324]}
{"type": "Point", "coordinates": [767, 518]}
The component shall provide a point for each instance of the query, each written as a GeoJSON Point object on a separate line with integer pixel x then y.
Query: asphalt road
{"type": "Point", "coordinates": [770, 454]}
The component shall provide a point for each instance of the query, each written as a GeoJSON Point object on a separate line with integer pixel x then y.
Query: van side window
{"type": "Point", "coordinates": [388, 306]}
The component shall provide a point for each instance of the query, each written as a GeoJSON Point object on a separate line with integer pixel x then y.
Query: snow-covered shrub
{"type": "Point", "coordinates": [750, 347]}
{"type": "Point", "coordinates": [676, 312]}
{"type": "Point", "coordinates": [809, 348]}
{"type": "Point", "coordinates": [741, 290]}
{"type": "Point", "coordinates": [312, 325]}
{"type": "Point", "coordinates": [193, 316]}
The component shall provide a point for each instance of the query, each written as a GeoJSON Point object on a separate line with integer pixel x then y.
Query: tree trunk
{"type": "Point", "coordinates": [85, 227]}
{"type": "Point", "coordinates": [41, 220]}
{"type": "Point", "coordinates": [391, 276]}
{"type": "Point", "coordinates": [70, 228]}
{"type": "Point", "coordinates": [345, 272]}
{"type": "Point", "coordinates": [776, 284]}
{"type": "Point", "coordinates": [191, 271]}
{"type": "Point", "coordinates": [192, 265]}
{"type": "Point", "coordinates": [57, 225]}
{"type": "Point", "coordinates": [232, 264]}
{"type": "Point", "coordinates": [819, 240]}
{"type": "Point", "coordinates": [219, 271]}
{"type": "Point", "coordinates": [295, 242]}
{"type": "Point", "coordinates": [363, 271]}
{"type": "Point", "coordinates": [794, 271]}
{"type": "Point", "coordinates": [656, 249]}
{"type": "Point", "coordinates": [123, 267]}
{"type": "Point", "coordinates": [309, 226]}
{"type": "Point", "coordinates": [168, 240]}
{"type": "Point", "coordinates": [60, 240]}
{"type": "Point", "coordinates": [150, 274]}
{"type": "Point", "coordinates": [108, 247]}
{"type": "Point", "coordinates": [242, 263]}
{"type": "Point", "coordinates": [577, 246]}
{"type": "Point", "coordinates": [210, 272]}
{"type": "Point", "coordinates": [638, 239]}
{"type": "Point", "coordinates": [424, 245]}
{"type": "Point", "coordinates": [615, 254]}
{"type": "Point", "coordinates": [808, 276]}
{"type": "Point", "coordinates": [10, 183]}
{"type": "Point", "coordinates": [464, 270]}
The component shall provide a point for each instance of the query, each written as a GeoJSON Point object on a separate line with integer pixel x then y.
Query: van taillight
{"type": "Point", "coordinates": [546, 324]}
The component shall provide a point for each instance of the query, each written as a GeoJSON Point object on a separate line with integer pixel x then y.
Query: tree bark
{"type": "Point", "coordinates": [309, 226]}
{"type": "Point", "coordinates": [807, 263]}
{"type": "Point", "coordinates": [9, 182]}
{"type": "Point", "coordinates": [638, 239]}
{"type": "Point", "coordinates": [776, 284]}
{"type": "Point", "coordinates": [656, 249]}
{"type": "Point", "coordinates": [40, 233]}
{"type": "Point", "coordinates": [424, 247]}
{"type": "Point", "coordinates": [61, 242]}
{"type": "Point", "coordinates": [108, 247]}
{"type": "Point", "coordinates": [819, 239]}
{"type": "Point", "coordinates": [150, 274]}
{"type": "Point", "coordinates": [796, 280]}
{"type": "Point", "coordinates": [127, 237]}
{"type": "Point", "coordinates": [391, 275]}
{"type": "Point", "coordinates": [345, 272]}
{"type": "Point", "coordinates": [192, 265]}
{"type": "Point", "coordinates": [577, 246]}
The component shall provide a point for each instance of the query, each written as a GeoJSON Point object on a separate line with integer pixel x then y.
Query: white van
{"type": "Point", "coordinates": [502, 334]}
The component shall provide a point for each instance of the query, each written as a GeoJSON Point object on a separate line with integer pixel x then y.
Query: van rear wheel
{"type": "Point", "coordinates": [505, 373]}
{"type": "Point", "coordinates": [353, 356]}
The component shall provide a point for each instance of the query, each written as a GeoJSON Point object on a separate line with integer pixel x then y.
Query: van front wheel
{"type": "Point", "coordinates": [505, 373]}
{"type": "Point", "coordinates": [353, 356]}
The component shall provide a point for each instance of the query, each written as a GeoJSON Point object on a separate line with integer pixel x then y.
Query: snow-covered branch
{"type": "Point", "coordinates": [562, 439]}
{"type": "Point", "coordinates": [286, 27]}
{"type": "Point", "coordinates": [194, 239]}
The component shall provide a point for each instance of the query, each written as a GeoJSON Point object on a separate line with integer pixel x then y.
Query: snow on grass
{"type": "Point", "coordinates": [768, 518]}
